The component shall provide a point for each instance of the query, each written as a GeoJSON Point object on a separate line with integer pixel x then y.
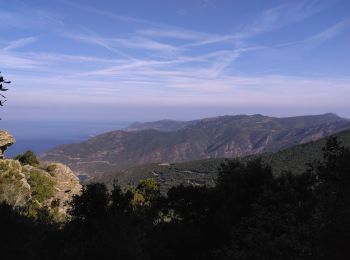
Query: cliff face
{"type": "Point", "coordinates": [48, 186]}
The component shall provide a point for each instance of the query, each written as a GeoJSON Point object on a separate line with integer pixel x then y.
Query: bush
{"type": "Point", "coordinates": [28, 157]}
{"type": "Point", "coordinates": [42, 186]}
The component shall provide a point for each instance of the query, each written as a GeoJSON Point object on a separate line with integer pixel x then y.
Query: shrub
{"type": "Point", "coordinates": [28, 157]}
{"type": "Point", "coordinates": [42, 186]}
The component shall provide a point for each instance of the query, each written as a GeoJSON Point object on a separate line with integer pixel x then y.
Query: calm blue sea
{"type": "Point", "coordinates": [41, 136]}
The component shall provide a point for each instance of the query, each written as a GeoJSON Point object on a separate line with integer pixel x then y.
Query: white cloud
{"type": "Point", "coordinates": [175, 33]}
{"type": "Point", "coordinates": [93, 38]}
{"type": "Point", "coordinates": [19, 43]}
{"type": "Point", "coordinates": [328, 33]}
{"type": "Point", "coordinates": [29, 18]}
{"type": "Point", "coordinates": [143, 43]}
{"type": "Point", "coordinates": [168, 66]}
{"type": "Point", "coordinates": [319, 38]}
{"type": "Point", "coordinates": [281, 16]}
{"type": "Point", "coordinates": [15, 61]}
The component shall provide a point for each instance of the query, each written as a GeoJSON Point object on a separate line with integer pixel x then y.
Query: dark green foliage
{"type": "Point", "coordinates": [91, 204]}
{"type": "Point", "coordinates": [103, 226]}
{"type": "Point", "coordinates": [280, 223]}
{"type": "Point", "coordinates": [28, 157]}
{"type": "Point", "coordinates": [23, 238]}
{"type": "Point", "coordinates": [42, 186]}
{"type": "Point", "coordinates": [250, 214]}
{"type": "Point", "coordinates": [333, 194]}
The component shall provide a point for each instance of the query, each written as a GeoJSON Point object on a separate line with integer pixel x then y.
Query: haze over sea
{"type": "Point", "coordinates": [40, 136]}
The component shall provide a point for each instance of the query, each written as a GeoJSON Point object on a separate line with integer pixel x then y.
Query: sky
{"type": "Point", "coordinates": [185, 59]}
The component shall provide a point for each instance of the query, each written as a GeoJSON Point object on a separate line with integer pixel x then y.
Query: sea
{"type": "Point", "coordinates": [41, 136]}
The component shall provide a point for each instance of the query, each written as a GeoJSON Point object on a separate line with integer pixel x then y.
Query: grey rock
{"type": "Point", "coordinates": [6, 140]}
{"type": "Point", "coordinates": [16, 189]}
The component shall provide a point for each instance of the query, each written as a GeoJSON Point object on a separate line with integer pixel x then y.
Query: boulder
{"type": "Point", "coordinates": [5, 141]}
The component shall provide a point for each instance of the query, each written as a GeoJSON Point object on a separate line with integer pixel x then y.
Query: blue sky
{"type": "Point", "coordinates": [141, 60]}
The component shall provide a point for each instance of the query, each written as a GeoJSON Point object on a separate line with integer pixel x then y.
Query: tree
{"type": "Point", "coordinates": [332, 192]}
{"type": "Point", "coordinates": [146, 192]}
{"type": "Point", "coordinates": [91, 205]}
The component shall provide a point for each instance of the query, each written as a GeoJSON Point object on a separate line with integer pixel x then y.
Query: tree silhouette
{"type": "Point", "coordinates": [2, 89]}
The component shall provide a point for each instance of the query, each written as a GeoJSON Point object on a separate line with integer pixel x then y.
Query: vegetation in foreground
{"type": "Point", "coordinates": [250, 214]}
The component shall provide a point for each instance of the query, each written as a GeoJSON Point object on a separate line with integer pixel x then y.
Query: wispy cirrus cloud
{"type": "Point", "coordinates": [144, 43]}
{"type": "Point", "coordinates": [155, 63]}
{"type": "Point", "coordinates": [232, 45]}
{"type": "Point", "coordinates": [182, 34]}
{"type": "Point", "coordinates": [327, 34]}
{"type": "Point", "coordinates": [280, 16]}
{"type": "Point", "coordinates": [110, 15]}
{"type": "Point", "coordinates": [320, 37]}
{"type": "Point", "coordinates": [269, 20]}
{"type": "Point", "coordinates": [19, 43]}
{"type": "Point", "coordinates": [26, 17]}
{"type": "Point", "coordinates": [10, 60]}
{"type": "Point", "coordinates": [93, 38]}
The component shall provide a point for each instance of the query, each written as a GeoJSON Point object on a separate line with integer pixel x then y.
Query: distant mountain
{"type": "Point", "coordinates": [225, 136]}
{"type": "Point", "coordinates": [161, 125]}
{"type": "Point", "coordinates": [204, 172]}
{"type": "Point", "coordinates": [167, 125]}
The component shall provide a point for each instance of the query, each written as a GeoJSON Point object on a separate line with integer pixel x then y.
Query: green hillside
{"type": "Point", "coordinates": [204, 172]}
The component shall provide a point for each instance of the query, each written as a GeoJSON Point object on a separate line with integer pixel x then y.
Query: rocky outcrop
{"type": "Point", "coordinates": [33, 187]}
{"type": "Point", "coordinates": [6, 140]}
{"type": "Point", "coordinates": [66, 184]}
{"type": "Point", "coordinates": [51, 186]}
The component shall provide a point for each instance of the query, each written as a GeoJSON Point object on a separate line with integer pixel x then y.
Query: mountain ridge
{"type": "Point", "coordinates": [174, 125]}
{"type": "Point", "coordinates": [224, 136]}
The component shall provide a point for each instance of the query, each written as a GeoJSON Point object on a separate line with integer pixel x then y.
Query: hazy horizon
{"type": "Point", "coordinates": [43, 135]}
